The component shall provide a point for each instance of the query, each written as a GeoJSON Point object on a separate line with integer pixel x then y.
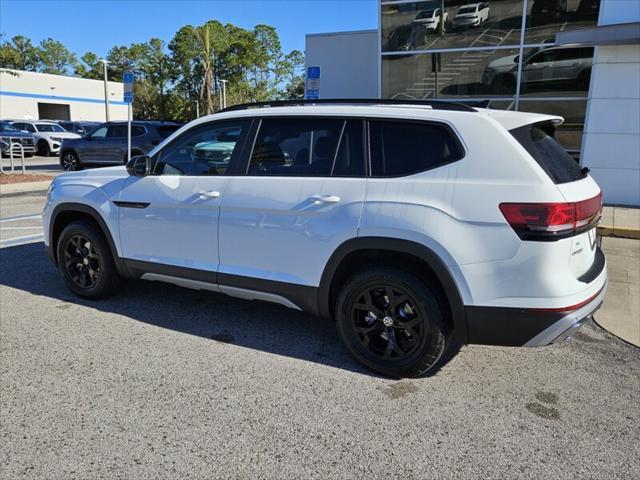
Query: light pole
{"type": "Point", "coordinates": [106, 89]}
{"type": "Point", "coordinates": [224, 93]}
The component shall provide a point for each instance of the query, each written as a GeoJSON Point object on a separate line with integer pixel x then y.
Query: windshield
{"type": "Point", "coordinates": [7, 127]}
{"type": "Point", "coordinates": [467, 10]}
{"type": "Point", "coordinates": [49, 127]}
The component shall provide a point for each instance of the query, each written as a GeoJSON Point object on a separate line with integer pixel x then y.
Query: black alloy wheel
{"type": "Point", "coordinates": [82, 261]}
{"type": "Point", "coordinates": [69, 162]}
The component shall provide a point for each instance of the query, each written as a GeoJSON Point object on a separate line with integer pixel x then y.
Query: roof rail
{"type": "Point", "coordinates": [435, 104]}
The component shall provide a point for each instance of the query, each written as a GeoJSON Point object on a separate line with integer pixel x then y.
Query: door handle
{"type": "Point", "coordinates": [211, 194]}
{"type": "Point", "coordinates": [325, 198]}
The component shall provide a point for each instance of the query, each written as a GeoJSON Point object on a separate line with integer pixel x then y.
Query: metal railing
{"type": "Point", "coordinates": [13, 148]}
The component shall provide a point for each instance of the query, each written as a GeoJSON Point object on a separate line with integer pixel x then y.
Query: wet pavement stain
{"type": "Point", "coordinates": [548, 413]}
{"type": "Point", "coordinates": [399, 390]}
{"type": "Point", "coordinates": [547, 397]}
{"type": "Point", "coordinates": [583, 337]}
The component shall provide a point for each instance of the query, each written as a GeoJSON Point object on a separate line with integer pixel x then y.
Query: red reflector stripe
{"type": "Point", "coordinates": [569, 308]}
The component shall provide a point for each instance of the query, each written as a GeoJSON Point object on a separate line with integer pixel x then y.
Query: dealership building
{"type": "Point", "coordinates": [37, 96]}
{"type": "Point", "coordinates": [579, 59]}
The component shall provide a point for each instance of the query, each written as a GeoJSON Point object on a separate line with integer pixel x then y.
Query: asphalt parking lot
{"type": "Point", "coordinates": [163, 382]}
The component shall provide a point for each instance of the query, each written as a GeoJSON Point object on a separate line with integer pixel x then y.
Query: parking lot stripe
{"type": "Point", "coordinates": [12, 242]}
{"type": "Point", "coordinates": [19, 217]}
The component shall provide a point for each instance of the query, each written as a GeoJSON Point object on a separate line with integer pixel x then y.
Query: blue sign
{"type": "Point", "coordinates": [312, 87]}
{"type": "Point", "coordinates": [128, 79]}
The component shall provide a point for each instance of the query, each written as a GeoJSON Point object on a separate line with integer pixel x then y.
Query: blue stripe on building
{"type": "Point", "coordinates": [54, 97]}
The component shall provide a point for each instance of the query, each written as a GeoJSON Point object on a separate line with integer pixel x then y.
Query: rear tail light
{"type": "Point", "coordinates": [552, 221]}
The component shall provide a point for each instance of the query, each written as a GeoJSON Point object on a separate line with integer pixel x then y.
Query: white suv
{"type": "Point", "coordinates": [407, 223]}
{"type": "Point", "coordinates": [49, 135]}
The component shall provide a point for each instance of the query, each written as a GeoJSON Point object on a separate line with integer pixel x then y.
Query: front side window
{"type": "Point", "coordinates": [296, 147]}
{"type": "Point", "coordinates": [203, 150]}
{"type": "Point", "coordinates": [137, 131]}
{"type": "Point", "coordinates": [99, 132]}
{"type": "Point", "coordinates": [403, 148]}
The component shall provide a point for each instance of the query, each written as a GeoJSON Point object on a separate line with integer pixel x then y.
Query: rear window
{"type": "Point", "coordinates": [167, 130]}
{"type": "Point", "coordinates": [538, 140]}
{"type": "Point", "coordinates": [403, 148]}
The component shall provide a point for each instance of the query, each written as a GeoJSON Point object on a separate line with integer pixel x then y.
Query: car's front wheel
{"type": "Point", "coordinates": [70, 162]}
{"type": "Point", "coordinates": [43, 148]}
{"type": "Point", "coordinates": [391, 322]}
{"type": "Point", "coordinates": [85, 261]}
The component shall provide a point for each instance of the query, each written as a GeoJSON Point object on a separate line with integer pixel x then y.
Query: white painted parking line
{"type": "Point", "coordinates": [20, 217]}
{"type": "Point", "coordinates": [24, 240]}
{"type": "Point", "coordinates": [19, 228]}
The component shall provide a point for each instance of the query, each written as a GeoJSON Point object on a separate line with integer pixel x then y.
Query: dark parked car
{"type": "Point", "coordinates": [11, 135]}
{"type": "Point", "coordinates": [81, 128]}
{"type": "Point", "coordinates": [107, 144]}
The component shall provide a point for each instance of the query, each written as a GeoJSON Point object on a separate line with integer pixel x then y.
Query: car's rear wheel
{"type": "Point", "coordinates": [391, 322]}
{"type": "Point", "coordinates": [70, 162]}
{"type": "Point", "coordinates": [43, 148]}
{"type": "Point", "coordinates": [86, 263]}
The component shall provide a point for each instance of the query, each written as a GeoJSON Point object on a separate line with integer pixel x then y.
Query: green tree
{"type": "Point", "coordinates": [55, 58]}
{"type": "Point", "coordinates": [19, 54]}
{"type": "Point", "coordinates": [89, 66]}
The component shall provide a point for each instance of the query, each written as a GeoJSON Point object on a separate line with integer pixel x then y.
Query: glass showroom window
{"type": "Point", "coordinates": [473, 51]}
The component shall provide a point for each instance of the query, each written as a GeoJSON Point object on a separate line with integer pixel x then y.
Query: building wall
{"type": "Point", "coordinates": [348, 63]}
{"type": "Point", "coordinates": [21, 92]}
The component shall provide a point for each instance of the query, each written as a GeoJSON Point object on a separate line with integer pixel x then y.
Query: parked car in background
{"type": "Point", "coordinates": [431, 17]}
{"type": "Point", "coordinates": [106, 144]}
{"type": "Point", "coordinates": [471, 15]}
{"type": "Point", "coordinates": [81, 128]}
{"type": "Point", "coordinates": [9, 135]}
{"type": "Point", "coordinates": [543, 67]}
{"type": "Point", "coordinates": [545, 11]}
{"type": "Point", "coordinates": [48, 134]}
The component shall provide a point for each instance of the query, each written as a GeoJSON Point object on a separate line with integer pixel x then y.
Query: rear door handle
{"type": "Point", "coordinates": [325, 198]}
{"type": "Point", "coordinates": [212, 194]}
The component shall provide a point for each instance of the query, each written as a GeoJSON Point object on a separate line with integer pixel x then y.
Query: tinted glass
{"type": "Point", "coordinates": [137, 130]}
{"type": "Point", "coordinates": [295, 146]}
{"type": "Point", "coordinates": [547, 17]}
{"type": "Point", "coordinates": [117, 131]}
{"type": "Point", "coordinates": [556, 71]}
{"type": "Point", "coordinates": [487, 73]}
{"type": "Point", "coordinates": [69, 127]}
{"type": "Point", "coordinates": [350, 158]}
{"type": "Point", "coordinates": [399, 148]}
{"type": "Point", "coordinates": [538, 140]}
{"type": "Point", "coordinates": [418, 25]}
{"type": "Point", "coordinates": [99, 132]}
{"type": "Point", "coordinates": [167, 130]}
{"type": "Point", "coordinates": [7, 127]}
{"type": "Point", "coordinates": [204, 150]}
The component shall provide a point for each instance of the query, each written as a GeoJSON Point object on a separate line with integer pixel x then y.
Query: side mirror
{"type": "Point", "coordinates": [139, 166]}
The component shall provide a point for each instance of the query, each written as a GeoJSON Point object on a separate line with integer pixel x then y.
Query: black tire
{"type": "Point", "coordinates": [70, 162]}
{"type": "Point", "coordinates": [402, 337]}
{"type": "Point", "coordinates": [85, 261]}
{"type": "Point", "coordinates": [43, 148]}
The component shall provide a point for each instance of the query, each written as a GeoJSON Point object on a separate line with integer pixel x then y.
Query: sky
{"type": "Point", "coordinates": [98, 25]}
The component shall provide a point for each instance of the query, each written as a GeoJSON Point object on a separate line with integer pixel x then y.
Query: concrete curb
{"type": "Point", "coordinates": [24, 187]}
{"type": "Point", "coordinates": [620, 232]}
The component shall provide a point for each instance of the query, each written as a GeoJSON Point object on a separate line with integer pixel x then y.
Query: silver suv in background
{"type": "Point", "coordinates": [49, 135]}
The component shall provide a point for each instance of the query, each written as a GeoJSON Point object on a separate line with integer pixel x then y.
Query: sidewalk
{"type": "Point", "coordinates": [620, 312]}
{"type": "Point", "coordinates": [620, 222]}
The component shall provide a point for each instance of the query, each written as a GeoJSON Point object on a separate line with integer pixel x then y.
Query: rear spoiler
{"type": "Point", "coordinates": [512, 120]}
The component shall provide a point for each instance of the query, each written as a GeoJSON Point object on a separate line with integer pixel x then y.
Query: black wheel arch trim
{"type": "Point", "coordinates": [97, 217]}
{"type": "Point", "coordinates": [431, 258]}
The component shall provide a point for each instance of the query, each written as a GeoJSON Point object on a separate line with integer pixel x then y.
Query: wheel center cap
{"type": "Point", "coordinates": [85, 261]}
{"type": "Point", "coordinates": [387, 321]}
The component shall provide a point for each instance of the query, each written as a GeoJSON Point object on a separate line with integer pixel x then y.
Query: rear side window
{"type": "Point", "coordinates": [404, 148]}
{"type": "Point", "coordinates": [537, 139]}
{"type": "Point", "coordinates": [302, 147]}
{"type": "Point", "coordinates": [137, 131]}
{"type": "Point", "coordinates": [167, 130]}
{"type": "Point", "coordinates": [117, 131]}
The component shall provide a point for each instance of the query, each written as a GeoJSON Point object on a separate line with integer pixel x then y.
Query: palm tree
{"type": "Point", "coordinates": [207, 55]}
